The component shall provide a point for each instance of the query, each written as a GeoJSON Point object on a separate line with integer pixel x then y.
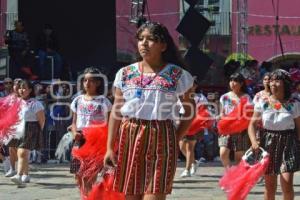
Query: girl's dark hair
{"type": "Point", "coordinates": [29, 85]}
{"type": "Point", "coordinates": [161, 34]}
{"type": "Point", "coordinates": [97, 73]}
{"type": "Point", "coordinates": [238, 77]}
{"type": "Point", "coordinates": [280, 74]}
{"type": "Point", "coordinates": [267, 74]}
{"type": "Point", "coordinates": [17, 81]}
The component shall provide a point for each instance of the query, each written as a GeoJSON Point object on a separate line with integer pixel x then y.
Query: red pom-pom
{"type": "Point", "coordinates": [91, 154]}
{"type": "Point", "coordinates": [202, 120]}
{"type": "Point", "coordinates": [103, 190]}
{"type": "Point", "coordinates": [239, 180]}
{"type": "Point", "coordinates": [10, 107]}
{"type": "Point", "coordinates": [237, 120]}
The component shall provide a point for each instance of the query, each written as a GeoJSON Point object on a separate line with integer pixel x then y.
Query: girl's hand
{"type": "Point", "coordinates": [255, 145]}
{"type": "Point", "coordinates": [78, 136]}
{"type": "Point", "coordinates": [110, 159]}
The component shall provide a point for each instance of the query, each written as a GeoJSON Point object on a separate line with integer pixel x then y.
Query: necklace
{"type": "Point", "coordinates": [138, 92]}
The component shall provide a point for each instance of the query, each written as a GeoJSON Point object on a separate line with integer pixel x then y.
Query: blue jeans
{"type": "Point", "coordinates": [57, 64]}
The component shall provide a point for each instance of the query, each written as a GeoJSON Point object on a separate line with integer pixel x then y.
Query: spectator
{"type": "Point", "coordinates": [18, 46]}
{"type": "Point", "coordinates": [230, 68]}
{"type": "Point", "coordinates": [296, 94]}
{"type": "Point", "coordinates": [250, 71]}
{"type": "Point", "coordinates": [48, 45]}
{"type": "Point", "coordinates": [8, 83]}
{"type": "Point", "coordinates": [295, 72]}
{"type": "Point", "coordinates": [264, 68]}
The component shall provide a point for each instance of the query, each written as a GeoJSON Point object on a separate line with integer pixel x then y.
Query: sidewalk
{"type": "Point", "coordinates": [54, 182]}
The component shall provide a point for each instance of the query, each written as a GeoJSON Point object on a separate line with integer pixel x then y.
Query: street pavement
{"type": "Point", "coordinates": [53, 181]}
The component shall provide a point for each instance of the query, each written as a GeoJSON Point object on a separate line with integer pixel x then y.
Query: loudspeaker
{"type": "Point", "coordinates": [193, 26]}
{"type": "Point", "coordinates": [198, 62]}
{"type": "Point", "coordinates": [192, 2]}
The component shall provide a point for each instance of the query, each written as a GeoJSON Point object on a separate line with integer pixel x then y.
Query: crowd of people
{"type": "Point", "coordinates": [28, 59]}
{"type": "Point", "coordinates": [154, 104]}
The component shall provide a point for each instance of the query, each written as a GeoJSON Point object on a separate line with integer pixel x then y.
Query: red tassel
{"type": "Point", "coordinates": [9, 116]}
{"type": "Point", "coordinates": [103, 190]}
{"type": "Point", "coordinates": [239, 180]}
{"type": "Point", "coordinates": [202, 120]}
{"type": "Point", "coordinates": [238, 120]}
{"type": "Point", "coordinates": [91, 154]}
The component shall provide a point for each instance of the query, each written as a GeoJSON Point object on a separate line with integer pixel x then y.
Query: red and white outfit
{"type": "Point", "coordinates": [147, 150]}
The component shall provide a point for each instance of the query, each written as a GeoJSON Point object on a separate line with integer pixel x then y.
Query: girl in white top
{"type": "Point", "coordinates": [188, 142]}
{"type": "Point", "coordinates": [88, 109]}
{"type": "Point", "coordinates": [238, 142]}
{"type": "Point", "coordinates": [32, 112]}
{"type": "Point", "coordinates": [265, 93]}
{"type": "Point", "coordinates": [143, 117]}
{"type": "Point", "coordinates": [280, 116]}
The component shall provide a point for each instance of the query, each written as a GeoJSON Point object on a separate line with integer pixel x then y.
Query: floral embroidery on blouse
{"type": "Point", "coordinates": [229, 101]}
{"type": "Point", "coordinates": [278, 106]}
{"type": "Point", "coordinates": [165, 81]}
{"type": "Point", "coordinates": [90, 109]}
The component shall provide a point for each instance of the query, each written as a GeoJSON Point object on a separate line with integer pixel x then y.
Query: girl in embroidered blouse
{"type": "Point", "coordinates": [143, 117]}
{"type": "Point", "coordinates": [32, 112]}
{"type": "Point", "coordinates": [238, 142]}
{"type": "Point", "coordinates": [89, 108]}
{"type": "Point", "coordinates": [280, 116]}
{"type": "Point", "coordinates": [266, 92]}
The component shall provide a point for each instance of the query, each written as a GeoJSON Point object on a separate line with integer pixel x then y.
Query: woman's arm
{"type": "Point", "coordinates": [189, 106]}
{"type": "Point", "coordinates": [113, 128]}
{"type": "Point", "coordinates": [40, 115]}
{"type": "Point", "coordinates": [76, 134]}
{"type": "Point", "coordinates": [252, 128]}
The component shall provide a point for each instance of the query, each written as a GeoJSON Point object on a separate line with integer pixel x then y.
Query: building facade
{"type": "Point", "coordinates": [269, 38]}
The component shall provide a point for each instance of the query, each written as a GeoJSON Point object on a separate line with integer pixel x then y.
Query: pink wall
{"type": "Point", "coordinates": [261, 19]}
{"type": "Point", "coordinates": [166, 12]}
{"type": "Point", "coordinates": [3, 9]}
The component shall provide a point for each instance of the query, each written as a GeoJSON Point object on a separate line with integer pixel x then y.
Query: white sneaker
{"type": "Point", "coordinates": [16, 179]}
{"type": "Point", "coordinates": [217, 159]}
{"type": "Point", "coordinates": [25, 178]}
{"type": "Point", "coordinates": [185, 173]}
{"type": "Point", "coordinates": [194, 168]}
{"type": "Point", "coordinates": [10, 173]}
{"type": "Point", "coordinates": [202, 160]}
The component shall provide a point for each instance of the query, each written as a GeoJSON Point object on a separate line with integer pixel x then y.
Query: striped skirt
{"type": "Point", "coordinates": [147, 156]}
{"type": "Point", "coordinates": [283, 147]}
{"type": "Point", "coordinates": [235, 142]}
